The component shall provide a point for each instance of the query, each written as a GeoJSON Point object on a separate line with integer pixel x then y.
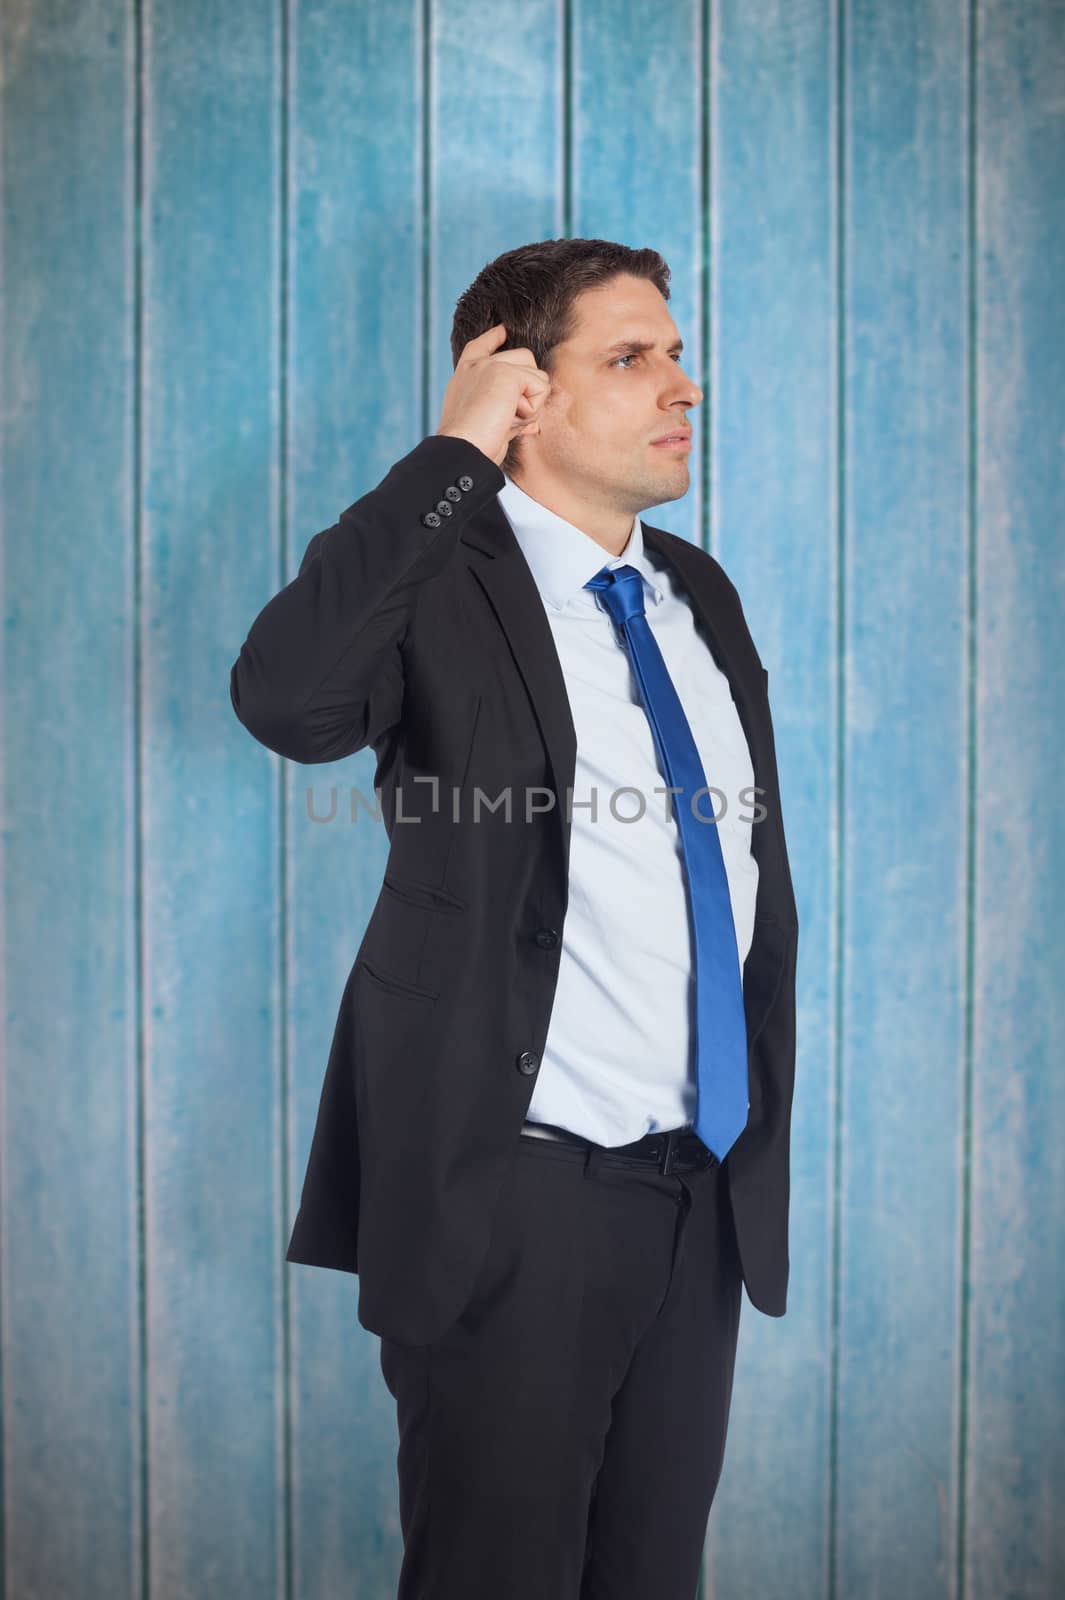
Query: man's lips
{"type": "Point", "coordinates": [680, 440]}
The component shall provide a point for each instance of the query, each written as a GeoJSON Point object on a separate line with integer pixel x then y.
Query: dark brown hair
{"type": "Point", "coordinates": [532, 290]}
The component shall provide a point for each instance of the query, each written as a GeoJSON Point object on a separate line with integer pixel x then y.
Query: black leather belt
{"type": "Point", "coordinates": [678, 1150]}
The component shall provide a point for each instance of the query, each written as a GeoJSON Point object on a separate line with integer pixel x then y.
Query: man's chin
{"type": "Point", "coordinates": [667, 485]}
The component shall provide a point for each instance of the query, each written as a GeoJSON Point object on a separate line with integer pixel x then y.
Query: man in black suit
{"type": "Point", "coordinates": [505, 1149]}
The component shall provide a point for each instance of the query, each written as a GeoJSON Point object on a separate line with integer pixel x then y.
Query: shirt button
{"type": "Point", "coordinates": [546, 938]}
{"type": "Point", "coordinates": [528, 1062]}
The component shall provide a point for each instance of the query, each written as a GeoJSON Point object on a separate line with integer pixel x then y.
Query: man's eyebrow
{"type": "Point", "coordinates": [637, 346]}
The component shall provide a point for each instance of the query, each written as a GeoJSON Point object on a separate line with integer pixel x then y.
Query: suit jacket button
{"type": "Point", "coordinates": [444, 507]}
{"type": "Point", "coordinates": [528, 1062]}
{"type": "Point", "coordinates": [546, 938]}
{"type": "Point", "coordinates": [465, 482]}
{"type": "Point", "coordinates": [453, 493]}
{"type": "Point", "coordinates": [431, 519]}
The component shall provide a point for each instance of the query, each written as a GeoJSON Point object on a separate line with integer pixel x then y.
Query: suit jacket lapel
{"type": "Point", "coordinates": [495, 559]}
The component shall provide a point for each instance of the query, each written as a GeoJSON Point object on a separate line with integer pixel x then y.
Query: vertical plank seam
{"type": "Point", "coordinates": [838, 135]}
{"type": "Point", "coordinates": [961, 1397]}
{"type": "Point", "coordinates": [425, 67]}
{"type": "Point", "coordinates": [565, 32]}
{"type": "Point", "coordinates": [4, 1058]}
{"type": "Point", "coordinates": [285, 779]}
{"type": "Point", "coordinates": [142, 1466]}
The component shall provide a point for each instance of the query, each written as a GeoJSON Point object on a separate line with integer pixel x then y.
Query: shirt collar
{"type": "Point", "coordinates": [562, 558]}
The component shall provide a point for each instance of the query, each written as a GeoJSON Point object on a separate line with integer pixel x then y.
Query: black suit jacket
{"type": "Point", "coordinates": [415, 626]}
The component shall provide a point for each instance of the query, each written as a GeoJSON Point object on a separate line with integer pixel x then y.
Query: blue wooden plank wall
{"type": "Point", "coordinates": [232, 238]}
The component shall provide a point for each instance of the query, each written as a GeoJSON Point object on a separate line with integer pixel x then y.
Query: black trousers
{"type": "Point", "coordinates": [564, 1438]}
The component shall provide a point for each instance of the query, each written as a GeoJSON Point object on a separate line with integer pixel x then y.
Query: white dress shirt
{"type": "Point", "coordinates": [619, 1059]}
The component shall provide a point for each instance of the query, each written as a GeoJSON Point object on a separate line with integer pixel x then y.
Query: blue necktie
{"type": "Point", "coordinates": [721, 1026]}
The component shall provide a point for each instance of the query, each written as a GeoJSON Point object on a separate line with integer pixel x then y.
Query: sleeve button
{"type": "Point", "coordinates": [465, 482]}
{"type": "Point", "coordinates": [444, 507]}
{"type": "Point", "coordinates": [431, 519]}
